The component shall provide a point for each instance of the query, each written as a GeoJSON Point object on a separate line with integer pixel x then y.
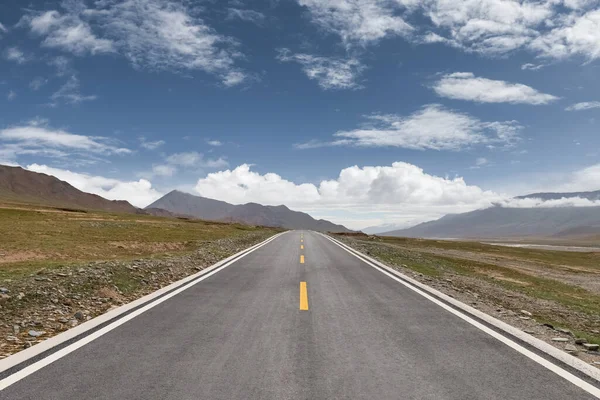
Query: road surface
{"type": "Point", "coordinates": [299, 318]}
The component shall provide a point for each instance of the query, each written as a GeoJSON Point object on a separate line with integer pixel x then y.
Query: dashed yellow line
{"type": "Point", "coordinates": [301, 247]}
{"type": "Point", "coordinates": [303, 297]}
{"type": "Point", "coordinates": [302, 259]}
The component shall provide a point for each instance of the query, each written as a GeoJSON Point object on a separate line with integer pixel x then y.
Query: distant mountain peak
{"type": "Point", "coordinates": [249, 213]}
{"type": "Point", "coordinates": [18, 184]}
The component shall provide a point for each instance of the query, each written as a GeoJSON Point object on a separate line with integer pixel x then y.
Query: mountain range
{"type": "Point", "coordinates": [502, 222]}
{"type": "Point", "coordinates": [23, 186]}
{"type": "Point", "coordinates": [251, 213]}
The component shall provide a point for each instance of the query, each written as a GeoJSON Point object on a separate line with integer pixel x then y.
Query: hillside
{"type": "Point", "coordinates": [496, 222]}
{"type": "Point", "coordinates": [20, 185]}
{"type": "Point", "coordinates": [251, 213]}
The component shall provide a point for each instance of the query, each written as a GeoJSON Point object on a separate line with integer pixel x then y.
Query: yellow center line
{"type": "Point", "coordinates": [303, 297]}
{"type": "Point", "coordinates": [301, 240]}
{"type": "Point", "coordinates": [302, 247]}
{"type": "Point", "coordinates": [302, 259]}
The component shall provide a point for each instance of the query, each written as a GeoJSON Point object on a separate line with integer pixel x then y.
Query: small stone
{"type": "Point", "coordinates": [63, 320]}
{"type": "Point", "coordinates": [524, 318]}
{"type": "Point", "coordinates": [571, 348]}
{"type": "Point", "coordinates": [35, 333]}
{"type": "Point", "coordinates": [525, 312]}
{"type": "Point", "coordinates": [79, 315]}
{"type": "Point", "coordinates": [20, 296]}
{"type": "Point", "coordinates": [12, 339]}
{"type": "Point", "coordinates": [16, 329]}
{"type": "Point", "coordinates": [73, 322]}
{"type": "Point", "coordinates": [560, 339]}
{"type": "Point", "coordinates": [565, 331]}
{"type": "Point", "coordinates": [4, 290]}
{"type": "Point", "coordinates": [591, 346]}
{"type": "Point", "coordinates": [580, 341]}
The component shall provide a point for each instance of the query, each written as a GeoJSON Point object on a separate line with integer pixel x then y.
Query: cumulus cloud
{"type": "Point", "coordinates": [360, 196]}
{"type": "Point", "coordinates": [330, 73]}
{"type": "Point", "coordinates": [586, 105]}
{"type": "Point", "coordinates": [215, 143]}
{"type": "Point", "coordinates": [70, 93]}
{"type": "Point", "coordinates": [402, 190]}
{"type": "Point", "coordinates": [433, 127]}
{"type": "Point", "coordinates": [139, 193]}
{"type": "Point", "coordinates": [37, 138]}
{"type": "Point", "coordinates": [152, 34]}
{"type": "Point", "coordinates": [466, 86]}
{"type": "Point", "coordinates": [11, 95]}
{"type": "Point", "coordinates": [359, 21]}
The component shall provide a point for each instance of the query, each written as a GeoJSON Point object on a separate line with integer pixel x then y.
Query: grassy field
{"type": "Point", "coordinates": [558, 287]}
{"type": "Point", "coordinates": [34, 237]}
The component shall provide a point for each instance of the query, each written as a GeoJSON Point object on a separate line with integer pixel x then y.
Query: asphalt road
{"type": "Point", "coordinates": [241, 334]}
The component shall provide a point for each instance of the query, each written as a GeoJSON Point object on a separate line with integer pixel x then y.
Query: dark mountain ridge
{"type": "Point", "coordinates": [251, 213]}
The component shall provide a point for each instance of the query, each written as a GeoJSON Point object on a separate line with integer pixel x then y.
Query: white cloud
{"type": "Point", "coordinates": [575, 35]}
{"type": "Point", "coordinates": [330, 73]}
{"type": "Point", "coordinates": [246, 15]}
{"type": "Point", "coordinates": [139, 193]}
{"type": "Point", "coordinates": [539, 203]}
{"type": "Point", "coordinates": [152, 34]}
{"type": "Point", "coordinates": [195, 159]}
{"type": "Point", "coordinates": [586, 105]}
{"type": "Point", "coordinates": [532, 67]}
{"type": "Point", "coordinates": [433, 127]}
{"type": "Point", "coordinates": [164, 170]}
{"type": "Point", "coordinates": [3, 28]}
{"type": "Point", "coordinates": [62, 65]}
{"type": "Point", "coordinates": [401, 190]}
{"type": "Point", "coordinates": [151, 145]}
{"type": "Point", "coordinates": [70, 93]}
{"type": "Point", "coordinates": [165, 35]}
{"type": "Point", "coordinates": [488, 26]}
{"type": "Point", "coordinates": [359, 21]}
{"type": "Point", "coordinates": [549, 28]}
{"type": "Point", "coordinates": [37, 83]}
{"type": "Point", "coordinates": [67, 32]}
{"type": "Point", "coordinates": [215, 143]}
{"type": "Point", "coordinates": [11, 95]}
{"type": "Point", "coordinates": [16, 55]}
{"type": "Point", "coordinates": [466, 86]}
{"type": "Point", "coordinates": [36, 138]}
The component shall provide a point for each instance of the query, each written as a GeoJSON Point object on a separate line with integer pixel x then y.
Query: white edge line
{"type": "Point", "coordinates": [56, 340]}
{"type": "Point", "coordinates": [535, 342]}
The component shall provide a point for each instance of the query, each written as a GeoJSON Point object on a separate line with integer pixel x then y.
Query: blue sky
{"type": "Point", "coordinates": [361, 111]}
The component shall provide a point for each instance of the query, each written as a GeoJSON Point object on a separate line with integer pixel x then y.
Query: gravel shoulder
{"type": "Point", "coordinates": [554, 307]}
{"type": "Point", "coordinates": [49, 302]}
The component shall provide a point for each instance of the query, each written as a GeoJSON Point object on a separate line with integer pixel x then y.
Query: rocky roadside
{"type": "Point", "coordinates": [514, 308]}
{"type": "Point", "coordinates": [36, 307]}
